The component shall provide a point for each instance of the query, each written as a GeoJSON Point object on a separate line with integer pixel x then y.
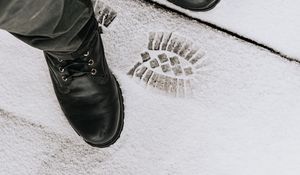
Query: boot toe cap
{"type": "Point", "coordinates": [100, 132]}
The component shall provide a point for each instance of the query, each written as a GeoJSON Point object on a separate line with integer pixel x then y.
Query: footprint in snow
{"type": "Point", "coordinates": [170, 64]}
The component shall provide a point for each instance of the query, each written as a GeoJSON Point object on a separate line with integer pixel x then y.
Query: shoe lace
{"type": "Point", "coordinates": [77, 67]}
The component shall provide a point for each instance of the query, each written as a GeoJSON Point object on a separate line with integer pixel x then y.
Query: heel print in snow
{"type": "Point", "coordinates": [103, 13]}
{"type": "Point", "coordinates": [170, 64]}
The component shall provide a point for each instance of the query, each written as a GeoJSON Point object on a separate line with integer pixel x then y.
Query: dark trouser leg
{"type": "Point", "coordinates": [50, 25]}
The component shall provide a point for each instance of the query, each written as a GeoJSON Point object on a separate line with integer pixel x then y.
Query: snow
{"type": "Point", "coordinates": [273, 23]}
{"type": "Point", "coordinates": [242, 119]}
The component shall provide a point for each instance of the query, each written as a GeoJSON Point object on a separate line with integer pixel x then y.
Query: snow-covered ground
{"type": "Point", "coordinates": [273, 23]}
{"type": "Point", "coordinates": [243, 116]}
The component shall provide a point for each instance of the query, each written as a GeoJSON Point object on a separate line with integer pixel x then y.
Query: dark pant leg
{"type": "Point", "coordinates": [50, 25]}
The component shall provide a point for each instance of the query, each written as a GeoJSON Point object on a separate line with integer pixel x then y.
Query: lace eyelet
{"type": "Point", "coordinates": [61, 69]}
{"type": "Point", "coordinates": [86, 54]}
{"type": "Point", "coordinates": [64, 78]}
{"type": "Point", "coordinates": [91, 62]}
{"type": "Point", "coordinates": [94, 71]}
{"type": "Point", "coordinates": [59, 60]}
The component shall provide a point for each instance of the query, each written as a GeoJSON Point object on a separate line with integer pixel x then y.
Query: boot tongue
{"type": "Point", "coordinates": [77, 69]}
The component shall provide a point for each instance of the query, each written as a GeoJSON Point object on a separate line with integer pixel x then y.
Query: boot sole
{"type": "Point", "coordinates": [121, 122]}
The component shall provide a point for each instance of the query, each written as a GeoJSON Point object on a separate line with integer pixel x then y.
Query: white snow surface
{"type": "Point", "coordinates": [242, 119]}
{"type": "Point", "coordinates": [273, 23]}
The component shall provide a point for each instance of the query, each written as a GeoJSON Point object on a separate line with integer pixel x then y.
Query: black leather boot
{"type": "Point", "coordinates": [196, 5]}
{"type": "Point", "coordinates": [88, 93]}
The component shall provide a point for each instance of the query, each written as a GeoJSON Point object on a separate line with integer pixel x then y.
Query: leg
{"type": "Point", "coordinates": [68, 33]}
{"type": "Point", "coordinates": [50, 25]}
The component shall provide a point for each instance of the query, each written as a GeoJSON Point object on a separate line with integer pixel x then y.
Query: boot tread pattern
{"type": "Point", "coordinates": [104, 14]}
{"type": "Point", "coordinates": [170, 64]}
